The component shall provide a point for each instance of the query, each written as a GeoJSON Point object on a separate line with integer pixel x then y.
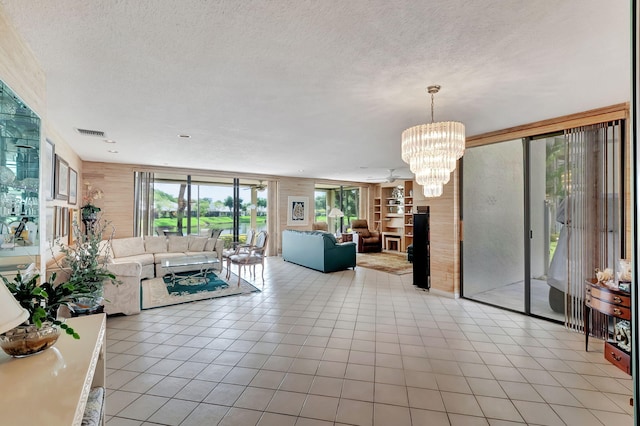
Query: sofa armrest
{"type": "Point", "coordinates": [219, 249]}
{"type": "Point", "coordinates": [375, 233]}
{"type": "Point", "coordinates": [131, 269]}
{"type": "Point", "coordinates": [123, 298]}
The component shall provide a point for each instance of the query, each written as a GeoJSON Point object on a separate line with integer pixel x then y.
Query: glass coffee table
{"type": "Point", "coordinates": [205, 263]}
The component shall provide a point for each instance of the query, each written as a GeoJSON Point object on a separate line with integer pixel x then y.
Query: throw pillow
{"type": "Point", "coordinates": [123, 247]}
{"type": "Point", "coordinates": [178, 244]}
{"type": "Point", "coordinates": [211, 244]}
{"type": "Point", "coordinates": [197, 243]}
{"type": "Point", "coordinates": [155, 244]}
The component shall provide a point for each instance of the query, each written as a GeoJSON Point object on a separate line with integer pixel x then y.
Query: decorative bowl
{"type": "Point", "coordinates": [25, 340]}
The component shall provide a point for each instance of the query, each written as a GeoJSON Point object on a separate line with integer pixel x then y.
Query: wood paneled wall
{"type": "Point", "coordinates": [444, 228]}
{"type": "Point", "coordinates": [116, 182]}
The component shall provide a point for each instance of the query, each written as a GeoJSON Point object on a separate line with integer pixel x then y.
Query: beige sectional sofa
{"type": "Point", "coordinates": [134, 259]}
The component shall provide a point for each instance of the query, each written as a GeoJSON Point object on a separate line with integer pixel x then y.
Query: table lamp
{"type": "Point", "coordinates": [11, 313]}
{"type": "Point", "coordinates": [336, 213]}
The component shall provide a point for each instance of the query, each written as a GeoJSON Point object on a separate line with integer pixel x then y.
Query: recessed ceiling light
{"type": "Point", "coordinates": [184, 136]}
{"type": "Point", "coordinates": [113, 151]}
{"type": "Point", "coordinates": [300, 170]}
{"type": "Point", "coordinates": [109, 141]}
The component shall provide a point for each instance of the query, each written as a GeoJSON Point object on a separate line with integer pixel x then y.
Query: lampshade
{"type": "Point", "coordinates": [432, 150]}
{"type": "Point", "coordinates": [11, 313]}
{"type": "Point", "coordinates": [335, 212]}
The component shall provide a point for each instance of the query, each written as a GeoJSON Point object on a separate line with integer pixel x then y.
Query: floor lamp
{"type": "Point", "coordinates": [336, 213]}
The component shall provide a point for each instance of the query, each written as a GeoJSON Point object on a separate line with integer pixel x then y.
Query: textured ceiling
{"type": "Point", "coordinates": [324, 86]}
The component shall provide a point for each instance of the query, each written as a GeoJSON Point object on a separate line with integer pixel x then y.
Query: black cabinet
{"type": "Point", "coordinates": [421, 251]}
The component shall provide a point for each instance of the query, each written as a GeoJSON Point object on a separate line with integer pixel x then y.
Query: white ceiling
{"type": "Point", "coordinates": [313, 88]}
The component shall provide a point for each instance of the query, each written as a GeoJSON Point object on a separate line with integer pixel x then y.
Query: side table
{"type": "Point", "coordinates": [347, 237]}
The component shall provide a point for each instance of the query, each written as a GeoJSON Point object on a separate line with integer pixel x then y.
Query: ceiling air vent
{"type": "Point", "coordinates": [95, 133]}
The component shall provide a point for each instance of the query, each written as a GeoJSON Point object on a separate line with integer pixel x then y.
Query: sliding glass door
{"type": "Point", "coordinates": [540, 215]}
{"type": "Point", "coordinates": [493, 211]}
{"type": "Point", "coordinates": [548, 239]}
{"type": "Point", "coordinates": [199, 205]}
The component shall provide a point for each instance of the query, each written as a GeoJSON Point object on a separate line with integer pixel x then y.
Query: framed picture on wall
{"type": "Point", "coordinates": [297, 211]}
{"type": "Point", "coordinates": [72, 219]}
{"type": "Point", "coordinates": [48, 169]}
{"type": "Point", "coordinates": [57, 223]}
{"type": "Point", "coordinates": [62, 178]}
{"type": "Point", "coordinates": [64, 226]}
{"type": "Point", "coordinates": [50, 220]}
{"type": "Point", "coordinates": [73, 186]}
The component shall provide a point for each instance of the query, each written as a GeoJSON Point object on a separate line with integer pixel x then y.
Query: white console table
{"type": "Point", "coordinates": [51, 388]}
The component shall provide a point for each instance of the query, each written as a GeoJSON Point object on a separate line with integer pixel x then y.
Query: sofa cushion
{"type": "Point", "coordinates": [143, 259]}
{"type": "Point", "coordinates": [371, 240]}
{"type": "Point", "coordinates": [123, 247]}
{"type": "Point", "coordinates": [178, 244]}
{"type": "Point", "coordinates": [160, 257]}
{"type": "Point", "coordinates": [211, 244]}
{"type": "Point", "coordinates": [155, 244]}
{"type": "Point", "coordinates": [197, 243]}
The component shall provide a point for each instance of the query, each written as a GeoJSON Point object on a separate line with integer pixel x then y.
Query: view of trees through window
{"type": "Point", "coordinates": [211, 207]}
{"type": "Point", "coordinates": [328, 198]}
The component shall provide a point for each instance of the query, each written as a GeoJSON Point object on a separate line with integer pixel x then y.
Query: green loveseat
{"type": "Point", "coordinates": [317, 250]}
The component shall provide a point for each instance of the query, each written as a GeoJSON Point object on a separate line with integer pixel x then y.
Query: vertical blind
{"type": "Point", "coordinates": [143, 204]}
{"type": "Point", "coordinates": [593, 182]}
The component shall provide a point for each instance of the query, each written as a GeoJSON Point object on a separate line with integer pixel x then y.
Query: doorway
{"type": "Point", "coordinates": [540, 214]}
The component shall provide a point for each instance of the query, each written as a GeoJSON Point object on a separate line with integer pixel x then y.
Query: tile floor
{"type": "Point", "coordinates": [511, 296]}
{"type": "Point", "coordinates": [353, 348]}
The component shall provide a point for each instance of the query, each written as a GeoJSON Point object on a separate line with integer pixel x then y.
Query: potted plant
{"type": "Point", "coordinates": [42, 328]}
{"type": "Point", "coordinates": [85, 262]}
{"type": "Point", "coordinates": [88, 210]}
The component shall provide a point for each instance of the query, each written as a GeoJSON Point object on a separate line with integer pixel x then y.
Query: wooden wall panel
{"type": "Point", "coordinates": [444, 226]}
{"type": "Point", "coordinates": [294, 187]}
{"type": "Point", "coordinates": [116, 181]}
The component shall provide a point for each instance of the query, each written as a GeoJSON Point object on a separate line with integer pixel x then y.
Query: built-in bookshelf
{"type": "Point", "coordinates": [408, 214]}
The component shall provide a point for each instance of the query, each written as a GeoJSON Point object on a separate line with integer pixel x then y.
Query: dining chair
{"type": "Point", "coordinates": [250, 257]}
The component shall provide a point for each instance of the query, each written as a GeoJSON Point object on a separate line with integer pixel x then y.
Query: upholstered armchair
{"type": "Point", "coordinates": [365, 239]}
{"type": "Point", "coordinates": [320, 226]}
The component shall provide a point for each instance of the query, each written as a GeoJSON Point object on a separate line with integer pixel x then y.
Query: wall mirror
{"type": "Point", "coordinates": [19, 179]}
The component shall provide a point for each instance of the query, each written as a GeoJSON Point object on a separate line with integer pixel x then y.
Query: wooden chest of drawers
{"type": "Point", "coordinates": [613, 303]}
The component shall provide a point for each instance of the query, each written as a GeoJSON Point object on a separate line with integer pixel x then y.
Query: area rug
{"type": "Point", "coordinates": [393, 263]}
{"type": "Point", "coordinates": [157, 292]}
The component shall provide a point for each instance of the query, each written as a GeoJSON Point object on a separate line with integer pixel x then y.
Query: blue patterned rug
{"type": "Point", "coordinates": [157, 292]}
{"type": "Point", "coordinates": [185, 283]}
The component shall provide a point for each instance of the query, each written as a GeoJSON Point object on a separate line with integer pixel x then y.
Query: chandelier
{"type": "Point", "coordinates": [432, 150]}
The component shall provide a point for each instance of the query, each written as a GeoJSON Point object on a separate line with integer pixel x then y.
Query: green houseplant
{"type": "Point", "coordinates": [42, 328]}
{"type": "Point", "coordinates": [85, 263]}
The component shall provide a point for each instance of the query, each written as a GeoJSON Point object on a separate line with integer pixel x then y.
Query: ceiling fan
{"type": "Point", "coordinates": [259, 187]}
{"type": "Point", "coordinates": [388, 179]}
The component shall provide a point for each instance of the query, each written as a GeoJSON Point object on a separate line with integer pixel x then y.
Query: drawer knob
{"type": "Point", "coordinates": [616, 357]}
{"type": "Point", "coordinates": [617, 311]}
{"type": "Point", "coordinates": [617, 299]}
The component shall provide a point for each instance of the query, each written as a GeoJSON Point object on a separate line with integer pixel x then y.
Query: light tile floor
{"type": "Point", "coordinates": [511, 296]}
{"type": "Point", "coordinates": [353, 348]}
